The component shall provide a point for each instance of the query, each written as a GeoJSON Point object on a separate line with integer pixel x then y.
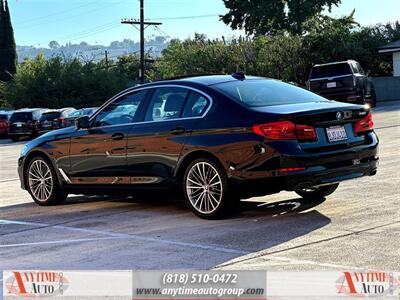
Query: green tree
{"type": "Point", "coordinates": [262, 17]}
{"type": "Point", "coordinates": [8, 53]}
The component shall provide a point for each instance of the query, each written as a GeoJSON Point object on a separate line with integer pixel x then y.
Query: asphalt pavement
{"type": "Point", "coordinates": [358, 227]}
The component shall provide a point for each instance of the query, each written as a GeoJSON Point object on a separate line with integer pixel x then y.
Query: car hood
{"type": "Point", "coordinates": [49, 136]}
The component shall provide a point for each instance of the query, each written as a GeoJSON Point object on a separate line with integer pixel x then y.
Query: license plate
{"type": "Point", "coordinates": [331, 85]}
{"type": "Point", "coordinates": [19, 125]}
{"type": "Point", "coordinates": [336, 133]}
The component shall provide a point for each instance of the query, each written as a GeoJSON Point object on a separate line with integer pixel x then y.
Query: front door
{"type": "Point", "coordinates": [98, 154]}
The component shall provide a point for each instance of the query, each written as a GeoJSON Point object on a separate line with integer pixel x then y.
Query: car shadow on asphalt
{"type": "Point", "coordinates": [256, 226]}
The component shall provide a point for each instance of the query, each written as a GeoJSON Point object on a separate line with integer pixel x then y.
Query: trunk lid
{"type": "Point", "coordinates": [332, 85]}
{"type": "Point", "coordinates": [333, 122]}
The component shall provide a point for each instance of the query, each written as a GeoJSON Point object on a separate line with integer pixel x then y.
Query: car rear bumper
{"type": "Point", "coordinates": [20, 132]}
{"type": "Point", "coordinates": [319, 176]}
{"type": "Point", "coordinates": [347, 95]}
{"type": "Point", "coordinates": [302, 171]}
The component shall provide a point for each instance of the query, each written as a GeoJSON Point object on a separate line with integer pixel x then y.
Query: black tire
{"type": "Point", "coordinates": [55, 193]}
{"type": "Point", "coordinates": [14, 138]}
{"type": "Point", "coordinates": [318, 192]}
{"type": "Point", "coordinates": [215, 206]}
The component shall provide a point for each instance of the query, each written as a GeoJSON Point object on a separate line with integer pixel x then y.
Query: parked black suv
{"type": "Point", "coordinates": [55, 119]}
{"type": "Point", "coordinates": [344, 81]}
{"type": "Point", "coordinates": [24, 123]}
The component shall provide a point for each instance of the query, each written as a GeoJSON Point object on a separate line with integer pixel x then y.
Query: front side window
{"type": "Point", "coordinates": [121, 111]}
{"type": "Point", "coordinates": [360, 69]}
{"type": "Point", "coordinates": [166, 104]}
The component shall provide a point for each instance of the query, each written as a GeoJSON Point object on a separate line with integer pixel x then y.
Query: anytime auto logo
{"type": "Point", "coordinates": [36, 283]}
{"type": "Point", "coordinates": [367, 284]}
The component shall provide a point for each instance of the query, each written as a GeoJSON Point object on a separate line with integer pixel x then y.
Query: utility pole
{"type": "Point", "coordinates": [142, 27]}
{"type": "Point", "coordinates": [106, 55]}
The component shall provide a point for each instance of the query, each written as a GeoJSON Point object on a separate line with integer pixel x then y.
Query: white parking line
{"type": "Point", "coordinates": [55, 242]}
{"type": "Point", "coordinates": [8, 180]}
{"type": "Point", "coordinates": [113, 235]}
{"type": "Point", "coordinates": [120, 236]}
{"type": "Point", "coordinates": [289, 261]}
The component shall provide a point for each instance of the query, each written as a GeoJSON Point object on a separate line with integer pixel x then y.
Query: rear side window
{"type": "Point", "coordinates": [50, 116]}
{"type": "Point", "coordinates": [21, 117]}
{"type": "Point", "coordinates": [196, 105]}
{"type": "Point", "coordinates": [166, 104]}
{"type": "Point", "coordinates": [255, 93]}
{"type": "Point", "coordinates": [330, 71]}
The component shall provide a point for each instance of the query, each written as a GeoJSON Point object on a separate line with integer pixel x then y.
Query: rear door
{"type": "Point", "coordinates": [155, 144]}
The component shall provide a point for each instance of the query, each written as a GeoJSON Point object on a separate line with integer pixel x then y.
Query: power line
{"type": "Point", "coordinates": [142, 24]}
{"type": "Point", "coordinates": [89, 33]}
{"type": "Point", "coordinates": [89, 30]}
{"type": "Point", "coordinates": [162, 32]}
{"type": "Point", "coordinates": [73, 16]}
{"type": "Point", "coordinates": [56, 13]}
{"type": "Point", "coordinates": [186, 17]}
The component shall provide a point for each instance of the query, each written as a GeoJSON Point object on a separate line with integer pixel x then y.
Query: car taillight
{"type": "Point", "coordinates": [305, 132]}
{"type": "Point", "coordinates": [285, 130]}
{"type": "Point", "coordinates": [364, 125]}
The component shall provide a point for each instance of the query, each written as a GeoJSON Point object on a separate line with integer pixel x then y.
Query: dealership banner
{"type": "Point", "coordinates": [185, 284]}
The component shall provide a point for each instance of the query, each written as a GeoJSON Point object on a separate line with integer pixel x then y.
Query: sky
{"type": "Point", "coordinates": [37, 22]}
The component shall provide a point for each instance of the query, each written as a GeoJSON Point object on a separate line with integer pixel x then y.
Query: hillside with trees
{"type": "Point", "coordinates": [284, 50]}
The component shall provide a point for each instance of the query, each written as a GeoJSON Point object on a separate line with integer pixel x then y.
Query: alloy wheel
{"type": "Point", "coordinates": [40, 180]}
{"type": "Point", "coordinates": [204, 187]}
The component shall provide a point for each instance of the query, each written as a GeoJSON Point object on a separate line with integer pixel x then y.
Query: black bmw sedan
{"type": "Point", "coordinates": [216, 138]}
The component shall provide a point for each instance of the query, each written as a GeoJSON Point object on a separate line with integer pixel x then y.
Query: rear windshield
{"type": "Point", "coordinates": [330, 71]}
{"type": "Point", "coordinates": [256, 93]}
{"type": "Point", "coordinates": [21, 117]}
{"type": "Point", "coordinates": [50, 116]}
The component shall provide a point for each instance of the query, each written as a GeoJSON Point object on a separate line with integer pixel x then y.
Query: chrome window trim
{"type": "Point", "coordinates": [122, 94]}
{"type": "Point", "coordinates": [330, 78]}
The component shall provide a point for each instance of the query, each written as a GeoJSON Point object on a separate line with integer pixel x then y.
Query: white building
{"type": "Point", "coordinates": [393, 48]}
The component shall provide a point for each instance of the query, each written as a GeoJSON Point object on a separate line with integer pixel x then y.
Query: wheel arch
{"type": "Point", "coordinates": [191, 156]}
{"type": "Point", "coordinates": [35, 153]}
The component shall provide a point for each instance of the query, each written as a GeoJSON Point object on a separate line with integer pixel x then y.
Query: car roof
{"type": "Point", "coordinates": [206, 80]}
{"type": "Point", "coordinates": [188, 81]}
{"type": "Point", "coordinates": [336, 63]}
{"type": "Point", "coordinates": [29, 109]}
{"type": "Point", "coordinates": [51, 112]}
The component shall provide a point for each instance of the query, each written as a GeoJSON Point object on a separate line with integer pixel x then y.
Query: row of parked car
{"type": "Point", "coordinates": [344, 81]}
{"type": "Point", "coordinates": [31, 122]}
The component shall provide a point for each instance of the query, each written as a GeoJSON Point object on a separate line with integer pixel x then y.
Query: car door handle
{"type": "Point", "coordinates": [117, 136]}
{"type": "Point", "coordinates": [178, 130]}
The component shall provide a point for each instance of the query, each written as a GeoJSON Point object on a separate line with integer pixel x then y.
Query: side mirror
{"type": "Point", "coordinates": [82, 122]}
{"type": "Point", "coordinates": [368, 73]}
